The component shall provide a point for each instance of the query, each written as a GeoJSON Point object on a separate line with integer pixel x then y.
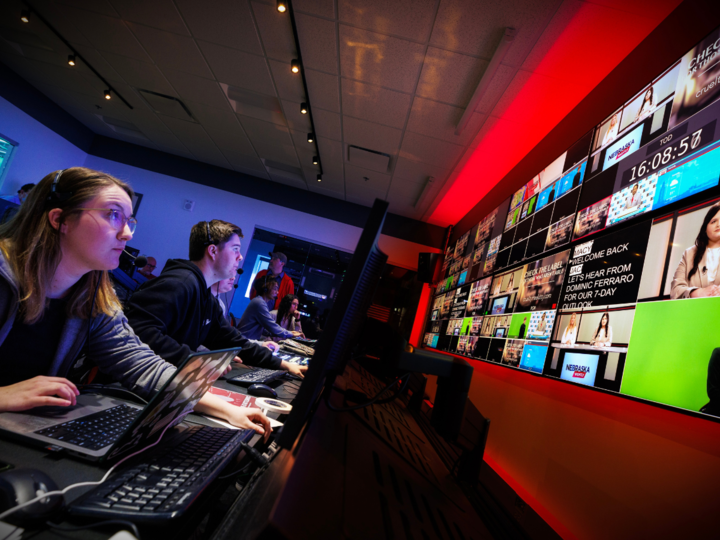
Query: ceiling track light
{"type": "Point", "coordinates": [281, 6]}
{"type": "Point", "coordinates": [311, 137]}
{"type": "Point", "coordinates": [319, 177]}
{"type": "Point", "coordinates": [107, 94]}
{"type": "Point", "coordinates": [25, 15]}
{"type": "Point", "coordinates": [71, 59]}
{"type": "Point", "coordinates": [295, 65]}
{"type": "Point", "coordinates": [316, 160]}
{"type": "Point", "coordinates": [304, 108]}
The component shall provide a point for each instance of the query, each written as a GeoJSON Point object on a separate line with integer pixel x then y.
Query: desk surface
{"type": "Point", "coordinates": [66, 470]}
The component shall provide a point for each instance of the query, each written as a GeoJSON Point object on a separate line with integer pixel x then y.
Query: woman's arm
{"type": "Point", "coordinates": [37, 392]}
{"type": "Point", "coordinates": [680, 286]}
{"type": "Point", "coordinates": [242, 417]}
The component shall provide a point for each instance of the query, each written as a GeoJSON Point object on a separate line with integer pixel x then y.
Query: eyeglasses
{"type": "Point", "coordinates": [116, 218]}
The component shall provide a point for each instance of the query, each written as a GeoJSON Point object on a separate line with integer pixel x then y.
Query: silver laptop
{"type": "Point", "coordinates": [101, 428]}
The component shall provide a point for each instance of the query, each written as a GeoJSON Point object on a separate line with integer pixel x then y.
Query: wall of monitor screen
{"type": "Point", "coordinates": [590, 272]}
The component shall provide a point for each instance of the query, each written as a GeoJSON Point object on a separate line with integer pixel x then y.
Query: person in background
{"type": "Point", "coordinates": [22, 194]}
{"type": "Point", "coordinates": [222, 287]}
{"type": "Point", "coordinates": [147, 270]}
{"type": "Point", "coordinates": [603, 335]}
{"type": "Point", "coordinates": [175, 314]}
{"type": "Point", "coordinates": [276, 270]}
{"type": "Point", "coordinates": [57, 300]}
{"type": "Point", "coordinates": [257, 318]}
{"type": "Point", "coordinates": [697, 274]}
{"type": "Point", "coordinates": [612, 131]}
{"type": "Point", "coordinates": [648, 105]}
{"type": "Point", "coordinates": [570, 334]}
{"type": "Point", "coordinates": [287, 315]}
{"type": "Point", "coordinates": [634, 199]}
{"type": "Point", "coordinates": [523, 329]}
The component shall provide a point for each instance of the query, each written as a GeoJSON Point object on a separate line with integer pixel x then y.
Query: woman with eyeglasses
{"type": "Point", "coordinates": [54, 258]}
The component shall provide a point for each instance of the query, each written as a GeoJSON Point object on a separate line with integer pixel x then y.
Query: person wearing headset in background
{"type": "Point", "coordinates": [257, 318]}
{"type": "Point", "coordinates": [57, 301]}
{"type": "Point", "coordinates": [697, 273]}
{"type": "Point", "coordinates": [176, 314]}
{"type": "Point", "coordinates": [276, 271]}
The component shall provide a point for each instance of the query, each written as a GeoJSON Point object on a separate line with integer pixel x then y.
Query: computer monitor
{"type": "Point", "coordinates": [343, 325]}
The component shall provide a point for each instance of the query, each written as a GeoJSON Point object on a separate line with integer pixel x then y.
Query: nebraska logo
{"type": "Point", "coordinates": [620, 152]}
{"type": "Point", "coordinates": [578, 371]}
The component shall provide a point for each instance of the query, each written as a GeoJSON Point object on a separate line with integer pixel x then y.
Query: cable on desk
{"type": "Point", "coordinates": [71, 528]}
{"type": "Point", "coordinates": [405, 378]}
{"type": "Point", "coordinates": [83, 484]}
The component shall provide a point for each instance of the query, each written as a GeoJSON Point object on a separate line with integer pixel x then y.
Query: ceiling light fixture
{"type": "Point", "coordinates": [319, 177]}
{"type": "Point", "coordinates": [281, 6]}
{"type": "Point", "coordinates": [71, 59]}
{"type": "Point", "coordinates": [25, 15]}
{"type": "Point", "coordinates": [295, 66]}
{"type": "Point", "coordinates": [107, 94]}
{"type": "Point", "coordinates": [303, 108]}
{"type": "Point", "coordinates": [316, 160]}
{"type": "Point", "coordinates": [311, 137]}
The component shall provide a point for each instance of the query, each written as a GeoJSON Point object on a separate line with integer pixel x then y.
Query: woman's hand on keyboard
{"type": "Point", "coordinates": [37, 392]}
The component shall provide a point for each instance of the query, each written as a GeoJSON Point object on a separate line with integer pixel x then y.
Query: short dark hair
{"type": "Point", "coordinates": [264, 283]}
{"type": "Point", "coordinates": [26, 188]}
{"type": "Point", "coordinates": [206, 233]}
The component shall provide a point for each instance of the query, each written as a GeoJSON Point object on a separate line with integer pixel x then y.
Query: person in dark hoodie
{"type": "Point", "coordinates": [176, 314]}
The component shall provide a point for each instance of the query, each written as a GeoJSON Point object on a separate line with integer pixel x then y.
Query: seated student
{"type": "Point", "coordinates": [257, 318]}
{"type": "Point", "coordinates": [22, 194]}
{"type": "Point", "coordinates": [275, 270]}
{"type": "Point", "coordinates": [176, 314]}
{"type": "Point", "coordinates": [147, 270]}
{"type": "Point", "coordinates": [56, 299]}
{"type": "Point", "coordinates": [287, 315]}
{"type": "Point", "coordinates": [221, 287]}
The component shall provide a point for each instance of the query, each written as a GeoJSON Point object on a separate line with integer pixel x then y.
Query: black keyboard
{"type": "Point", "coordinates": [96, 430]}
{"type": "Point", "coordinates": [257, 376]}
{"type": "Point", "coordinates": [165, 486]}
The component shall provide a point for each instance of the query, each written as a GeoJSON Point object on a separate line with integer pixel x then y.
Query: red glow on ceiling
{"type": "Point", "coordinates": [594, 41]}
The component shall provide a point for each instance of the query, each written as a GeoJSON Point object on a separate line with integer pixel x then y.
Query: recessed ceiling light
{"type": "Point", "coordinates": [25, 15]}
{"type": "Point", "coordinates": [71, 59]}
{"type": "Point", "coordinates": [107, 94]}
{"type": "Point", "coordinates": [311, 137]}
{"type": "Point", "coordinates": [316, 160]}
{"type": "Point", "coordinates": [282, 6]}
{"type": "Point", "coordinates": [295, 66]}
{"type": "Point", "coordinates": [303, 108]}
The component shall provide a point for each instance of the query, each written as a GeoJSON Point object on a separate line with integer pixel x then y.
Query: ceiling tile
{"type": "Point", "coordinates": [97, 60]}
{"type": "Point", "coordinates": [235, 28]}
{"type": "Point", "coordinates": [246, 104]}
{"type": "Point", "coordinates": [295, 119]}
{"type": "Point", "coordinates": [329, 188]}
{"type": "Point", "coordinates": [194, 137]}
{"type": "Point", "coordinates": [270, 141]}
{"type": "Point", "coordinates": [366, 179]}
{"type": "Point", "coordinates": [440, 121]}
{"type": "Point", "coordinates": [324, 90]}
{"type": "Point", "coordinates": [57, 14]}
{"type": "Point", "coordinates": [160, 14]}
{"type": "Point", "coordinates": [371, 136]}
{"type": "Point", "coordinates": [197, 89]}
{"type": "Point", "coordinates": [396, 18]}
{"type": "Point", "coordinates": [557, 25]}
{"type": "Point", "coordinates": [375, 104]}
{"type": "Point", "coordinates": [327, 124]}
{"type": "Point", "coordinates": [58, 76]}
{"type": "Point", "coordinates": [379, 59]}
{"type": "Point", "coordinates": [498, 86]}
{"type": "Point", "coordinates": [289, 85]}
{"type": "Point", "coordinates": [250, 165]}
{"type": "Point", "coordinates": [108, 34]}
{"type": "Point", "coordinates": [276, 32]}
{"type": "Point", "coordinates": [365, 197]}
{"type": "Point", "coordinates": [289, 179]}
{"type": "Point", "coordinates": [409, 171]}
{"type": "Point", "coordinates": [402, 199]}
{"type": "Point", "coordinates": [323, 8]}
{"type": "Point", "coordinates": [450, 77]}
{"type": "Point", "coordinates": [239, 68]}
{"type": "Point", "coordinates": [427, 150]}
{"type": "Point", "coordinates": [331, 156]}
{"type": "Point", "coordinates": [139, 74]}
{"type": "Point", "coordinates": [171, 50]}
{"type": "Point", "coordinates": [98, 6]}
{"type": "Point", "coordinates": [318, 43]}
{"type": "Point", "coordinates": [224, 129]}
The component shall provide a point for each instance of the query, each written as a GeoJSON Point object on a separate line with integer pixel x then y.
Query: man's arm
{"type": "Point", "coordinates": [153, 313]}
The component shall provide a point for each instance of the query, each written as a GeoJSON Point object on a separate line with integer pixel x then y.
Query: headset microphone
{"type": "Point", "coordinates": [139, 262]}
{"type": "Point", "coordinates": [240, 271]}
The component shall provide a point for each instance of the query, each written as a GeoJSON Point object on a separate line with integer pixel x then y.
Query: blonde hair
{"type": "Point", "coordinates": [32, 245]}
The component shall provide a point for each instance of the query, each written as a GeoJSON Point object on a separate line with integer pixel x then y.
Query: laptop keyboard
{"type": "Point", "coordinates": [257, 376]}
{"type": "Point", "coordinates": [96, 430]}
{"type": "Point", "coordinates": [165, 485]}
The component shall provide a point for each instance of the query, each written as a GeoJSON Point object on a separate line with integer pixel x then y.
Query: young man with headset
{"type": "Point", "coordinates": [175, 313]}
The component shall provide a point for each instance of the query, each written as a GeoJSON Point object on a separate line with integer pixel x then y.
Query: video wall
{"type": "Point", "coordinates": [604, 269]}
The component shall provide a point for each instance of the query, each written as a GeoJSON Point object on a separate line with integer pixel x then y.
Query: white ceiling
{"type": "Point", "coordinates": [390, 76]}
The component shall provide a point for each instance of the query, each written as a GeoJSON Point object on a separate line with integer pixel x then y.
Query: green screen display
{"type": "Point", "coordinates": [669, 351]}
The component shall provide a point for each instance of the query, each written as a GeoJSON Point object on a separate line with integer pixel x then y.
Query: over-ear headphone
{"type": "Point", "coordinates": [209, 238]}
{"type": "Point", "coordinates": [55, 198]}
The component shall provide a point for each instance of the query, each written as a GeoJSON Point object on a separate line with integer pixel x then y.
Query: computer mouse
{"type": "Point", "coordinates": [261, 390]}
{"type": "Point", "coordinates": [18, 486]}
